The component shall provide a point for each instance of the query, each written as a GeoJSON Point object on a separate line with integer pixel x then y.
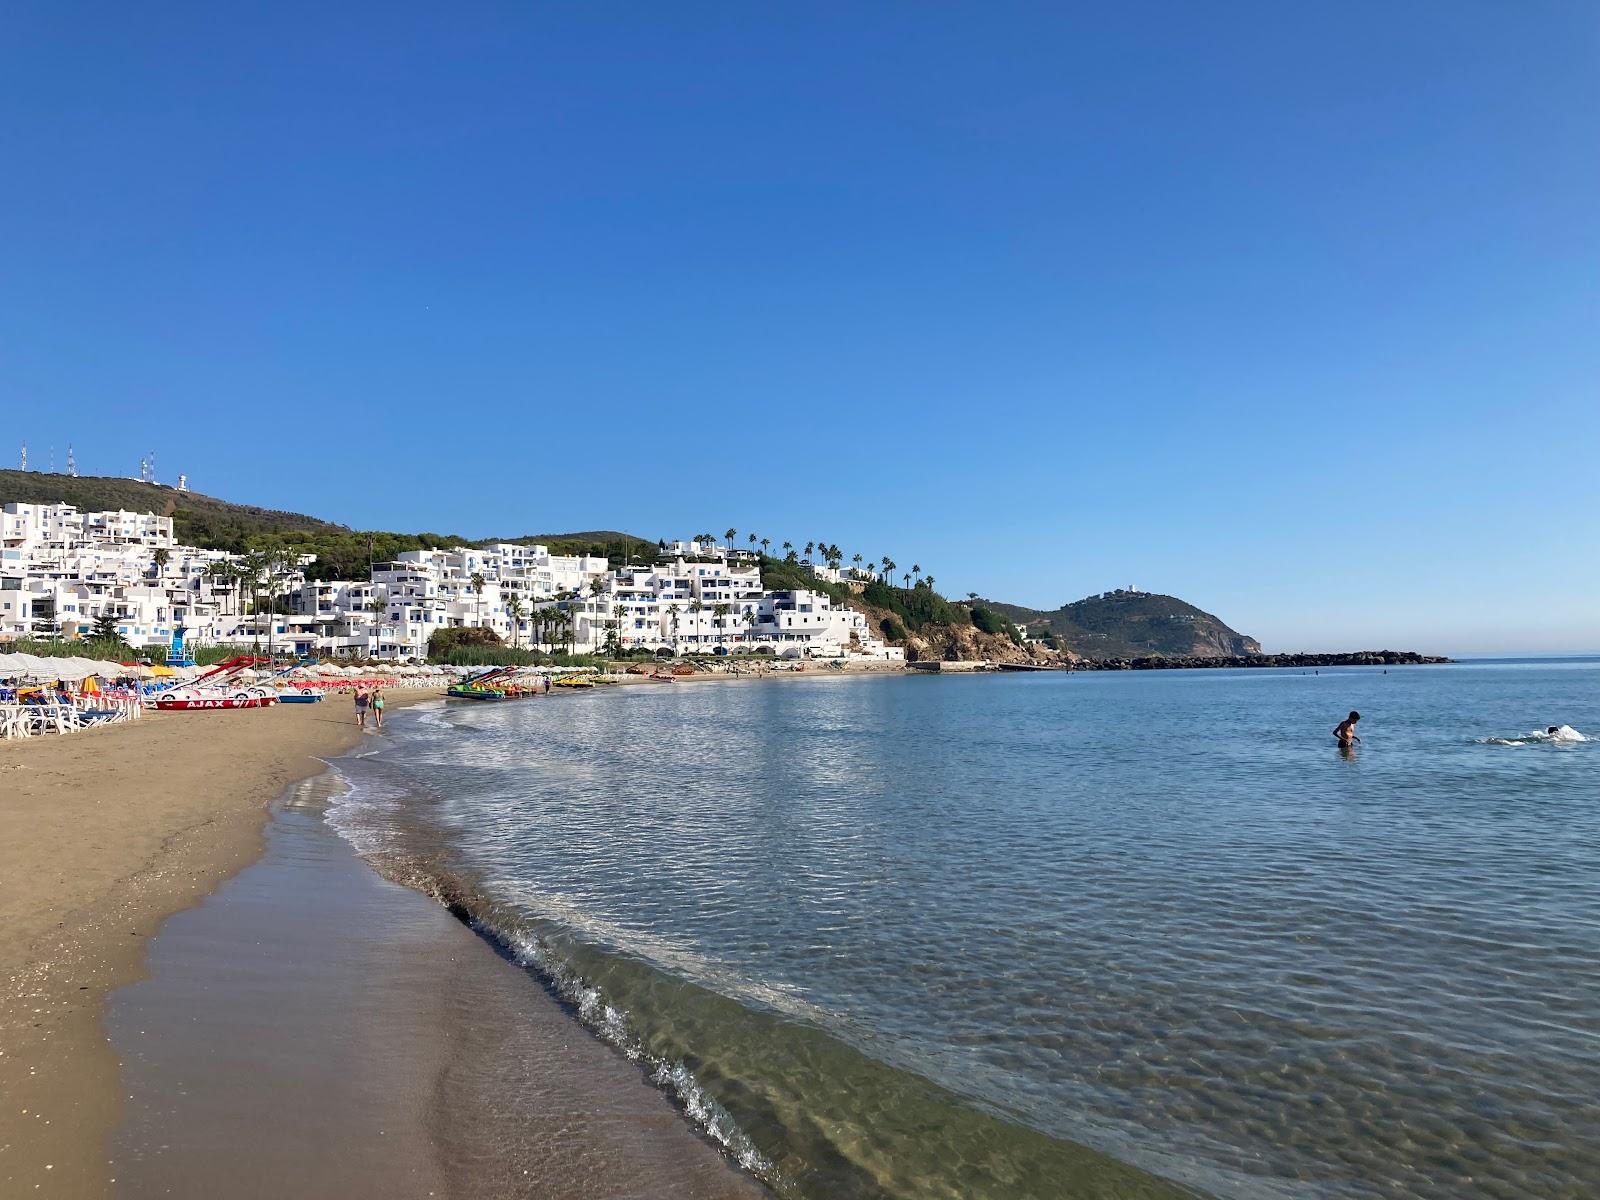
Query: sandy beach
{"type": "Point", "coordinates": [361, 1074]}
{"type": "Point", "coordinates": [103, 834]}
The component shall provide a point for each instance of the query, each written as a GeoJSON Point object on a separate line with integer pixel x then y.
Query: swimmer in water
{"type": "Point", "coordinates": [1345, 731]}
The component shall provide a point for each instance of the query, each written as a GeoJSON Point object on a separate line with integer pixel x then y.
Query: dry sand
{"type": "Point", "coordinates": [102, 835]}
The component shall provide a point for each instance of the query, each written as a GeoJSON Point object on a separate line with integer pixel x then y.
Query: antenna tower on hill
{"type": "Point", "coordinates": [72, 465]}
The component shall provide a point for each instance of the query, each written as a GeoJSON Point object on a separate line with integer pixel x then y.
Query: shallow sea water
{"type": "Point", "coordinates": [1058, 935]}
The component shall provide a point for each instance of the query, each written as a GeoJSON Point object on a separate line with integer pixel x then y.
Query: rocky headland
{"type": "Point", "coordinates": [1357, 658]}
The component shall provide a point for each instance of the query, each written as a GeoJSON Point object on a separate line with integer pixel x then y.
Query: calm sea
{"type": "Point", "coordinates": [1055, 935]}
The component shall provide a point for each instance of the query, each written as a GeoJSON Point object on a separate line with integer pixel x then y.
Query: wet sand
{"type": "Point", "coordinates": [102, 835]}
{"type": "Point", "coordinates": [313, 1030]}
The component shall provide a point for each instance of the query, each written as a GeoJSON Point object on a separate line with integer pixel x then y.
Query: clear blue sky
{"type": "Point", "coordinates": [1288, 309]}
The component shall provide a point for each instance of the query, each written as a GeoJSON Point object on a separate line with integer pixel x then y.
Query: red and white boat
{"type": "Point", "coordinates": [185, 704]}
{"type": "Point", "coordinates": [224, 686]}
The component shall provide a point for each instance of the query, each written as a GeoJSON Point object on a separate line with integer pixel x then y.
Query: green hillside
{"type": "Point", "coordinates": [342, 552]}
{"type": "Point", "coordinates": [1130, 625]}
{"type": "Point", "coordinates": [197, 520]}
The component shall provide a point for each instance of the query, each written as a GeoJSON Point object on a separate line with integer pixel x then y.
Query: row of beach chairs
{"type": "Point", "coordinates": [64, 716]}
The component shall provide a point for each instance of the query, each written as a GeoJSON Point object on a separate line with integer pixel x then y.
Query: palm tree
{"type": "Point", "coordinates": [696, 607]}
{"type": "Point", "coordinates": [888, 570]}
{"type": "Point", "coordinates": [719, 613]}
{"type": "Point", "coordinates": [159, 560]}
{"type": "Point", "coordinates": [515, 611]}
{"type": "Point", "coordinates": [377, 606]}
{"type": "Point", "coordinates": [239, 584]}
{"type": "Point", "coordinates": [810, 546]}
{"type": "Point", "coordinates": [730, 535]}
{"type": "Point", "coordinates": [268, 569]}
{"type": "Point", "coordinates": [597, 588]}
{"type": "Point", "coordinates": [905, 580]}
{"type": "Point", "coordinates": [750, 622]}
{"type": "Point", "coordinates": [916, 570]}
{"type": "Point", "coordinates": [251, 567]}
{"type": "Point", "coordinates": [788, 547]}
{"type": "Point", "coordinates": [929, 582]}
{"type": "Point", "coordinates": [972, 597]}
{"type": "Point", "coordinates": [220, 572]}
{"type": "Point", "coordinates": [753, 540]}
{"type": "Point", "coordinates": [857, 560]}
{"type": "Point", "coordinates": [672, 611]}
{"type": "Point", "coordinates": [539, 617]}
{"type": "Point", "coordinates": [765, 542]}
{"type": "Point", "coordinates": [477, 581]}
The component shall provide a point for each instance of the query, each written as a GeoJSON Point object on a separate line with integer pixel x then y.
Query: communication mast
{"type": "Point", "coordinates": [24, 465]}
{"type": "Point", "coordinates": [72, 466]}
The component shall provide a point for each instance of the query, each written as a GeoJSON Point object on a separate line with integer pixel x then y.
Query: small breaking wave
{"type": "Point", "coordinates": [1557, 735]}
{"type": "Point", "coordinates": [611, 1025]}
{"type": "Point", "coordinates": [366, 812]}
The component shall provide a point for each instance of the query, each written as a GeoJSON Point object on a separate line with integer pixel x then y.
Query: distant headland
{"type": "Point", "coordinates": [1357, 658]}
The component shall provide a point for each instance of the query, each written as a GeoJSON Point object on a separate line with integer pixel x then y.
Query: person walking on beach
{"type": "Point", "coordinates": [377, 706]}
{"type": "Point", "coordinates": [1345, 731]}
{"type": "Point", "coordinates": [361, 707]}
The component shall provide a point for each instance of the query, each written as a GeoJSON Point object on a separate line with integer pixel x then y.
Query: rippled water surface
{"type": "Point", "coordinates": [1060, 935]}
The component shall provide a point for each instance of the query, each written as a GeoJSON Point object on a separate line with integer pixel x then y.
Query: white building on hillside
{"type": "Point", "coordinates": [61, 571]}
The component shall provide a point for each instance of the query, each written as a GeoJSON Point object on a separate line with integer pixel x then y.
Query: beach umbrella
{"type": "Point", "coordinates": [67, 669]}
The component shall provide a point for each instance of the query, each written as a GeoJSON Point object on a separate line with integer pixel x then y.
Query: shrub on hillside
{"type": "Point", "coordinates": [989, 621]}
{"type": "Point", "coordinates": [915, 606]}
